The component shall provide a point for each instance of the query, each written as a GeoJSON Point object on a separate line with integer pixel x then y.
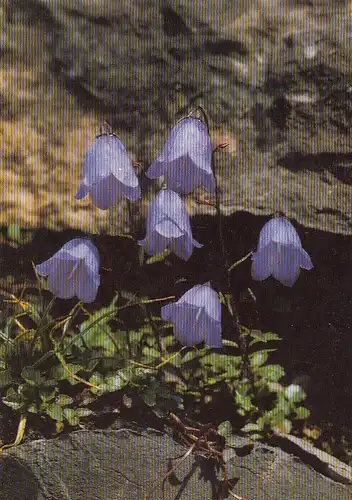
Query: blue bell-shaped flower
{"type": "Point", "coordinates": [108, 173]}
{"type": "Point", "coordinates": [196, 316]}
{"type": "Point", "coordinates": [168, 226]}
{"type": "Point", "coordinates": [185, 161]}
{"type": "Point", "coordinates": [73, 270]}
{"type": "Point", "coordinates": [279, 253]}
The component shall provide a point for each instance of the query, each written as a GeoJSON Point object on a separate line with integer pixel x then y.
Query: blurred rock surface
{"type": "Point", "coordinates": [106, 465]}
{"type": "Point", "coordinates": [274, 77]}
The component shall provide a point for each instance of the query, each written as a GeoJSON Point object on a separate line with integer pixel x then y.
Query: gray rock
{"type": "Point", "coordinates": [107, 465]}
{"type": "Point", "coordinates": [274, 77]}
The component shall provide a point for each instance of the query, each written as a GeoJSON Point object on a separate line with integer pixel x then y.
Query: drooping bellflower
{"type": "Point", "coordinates": [185, 161]}
{"type": "Point", "coordinates": [73, 270]}
{"type": "Point", "coordinates": [196, 316]}
{"type": "Point", "coordinates": [168, 226]}
{"type": "Point", "coordinates": [108, 173]}
{"type": "Point", "coordinates": [280, 253]}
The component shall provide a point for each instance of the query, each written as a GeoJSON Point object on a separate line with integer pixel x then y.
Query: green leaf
{"type": "Point", "coordinates": [55, 412]}
{"type": "Point", "coordinates": [32, 376]}
{"type": "Point", "coordinates": [272, 373]}
{"type": "Point", "coordinates": [150, 352]}
{"type": "Point", "coordinates": [33, 408]}
{"type": "Point", "coordinates": [273, 416]}
{"type": "Point", "coordinates": [283, 407]}
{"type": "Point", "coordinates": [275, 387]}
{"type": "Point", "coordinates": [159, 257]}
{"type": "Point", "coordinates": [218, 363]}
{"type": "Point", "coordinates": [47, 395]}
{"type": "Point", "coordinates": [63, 400]}
{"type": "Point", "coordinates": [71, 416]}
{"type": "Point", "coordinates": [284, 426]}
{"type": "Point", "coordinates": [58, 372]}
{"type": "Point", "coordinates": [244, 402]}
{"type": "Point", "coordinates": [83, 412]}
{"type": "Point", "coordinates": [96, 379]}
{"type": "Point", "coordinates": [135, 336]}
{"type": "Point", "coordinates": [14, 232]}
{"type": "Point", "coordinates": [116, 382]}
{"type": "Point", "coordinates": [295, 394]}
{"type": "Point", "coordinates": [190, 356]}
{"type": "Point", "coordinates": [302, 413]}
{"type": "Point", "coordinates": [225, 428]}
{"type": "Point", "coordinates": [6, 378]}
{"type": "Point", "coordinates": [251, 427]}
{"type": "Point", "coordinates": [259, 336]}
{"type": "Point", "coordinates": [264, 337]}
{"type": "Point", "coordinates": [258, 358]}
{"type": "Point", "coordinates": [256, 436]}
{"type": "Point", "coordinates": [13, 399]}
{"type": "Point", "coordinates": [149, 397]}
{"type": "Point", "coordinates": [96, 332]}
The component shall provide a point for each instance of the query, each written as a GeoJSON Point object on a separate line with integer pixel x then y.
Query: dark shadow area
{"type": "Point", "coordinates": [173, 23]}
{"type": "Point", "coordinates": [339, 164]}
{"type": "Point", "coordinates": [314, 317]}
{"type": "Point", "coordinates": [226, 47]}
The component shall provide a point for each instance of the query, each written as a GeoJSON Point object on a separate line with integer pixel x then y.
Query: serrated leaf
{"type": "Point", "coordinates": [225, 428]}
{"type": "Point", "coordinates": [275, 387]}
{"type": "Point", "coordinates": [58, 372]}
{"type": "Point", "coordinates": [13, 399]}
{"type": "Point", "coordinates": [284, 426]}
{"type": "Point", "coordinates": [55, 412]}
{"type": "Point", "coordinates": [32, 376]}
{"type": "Point", "coordinates": [272, 373]}
{"type": "Point", "coordinates": [32, 408]}
{"type": "Point", "coordinates": [190, 356]}
{"type": "Point", "coordinates": [63, 400]}
{"type": "Point", "coordinates": [150, 352]}
{"type": "Point", "coordinates": [256, 436]}
{"type": "Point", "coordinates": [250, 427]}
{"type": "Point", "coordinates": [295, 394]}
{"type": "Point", "coordinates": [302, 413]}
{"type": "Point", "coordinates": [135, 336]}
{"type": "Point", "coordinates": [259, 336]}
{"type": "Point", "coordinates": [96, 379]}
{"type": "Point", "coordinates": [6, 378]}
{"type": "Point", "coordinates": [47, 395]}
{"type": "Point", "coordinates": [71, 416]}
{"type": "Point", "coordinates": [149, 397]}
{"type": "Point", "coordinates": [115, 382]}
{"type": "Point", "coordinates": [83, 412]}
{"type": "Point", "coordinates": [258, 358]}
{"type": "Point", "coordinates": [244, 402]}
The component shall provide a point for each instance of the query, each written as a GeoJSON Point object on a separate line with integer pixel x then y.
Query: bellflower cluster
{"type": "Point", "coordinates": [185, 164]}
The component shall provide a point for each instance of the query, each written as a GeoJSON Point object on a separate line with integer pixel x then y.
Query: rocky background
{"type": "Point", "coordinates": [273, 75]}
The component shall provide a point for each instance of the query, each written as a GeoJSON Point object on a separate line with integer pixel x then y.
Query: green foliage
{"type": "Point", "coordinates": [16, 236]}
{"type": "Point", "coordinates": [58, 369]}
